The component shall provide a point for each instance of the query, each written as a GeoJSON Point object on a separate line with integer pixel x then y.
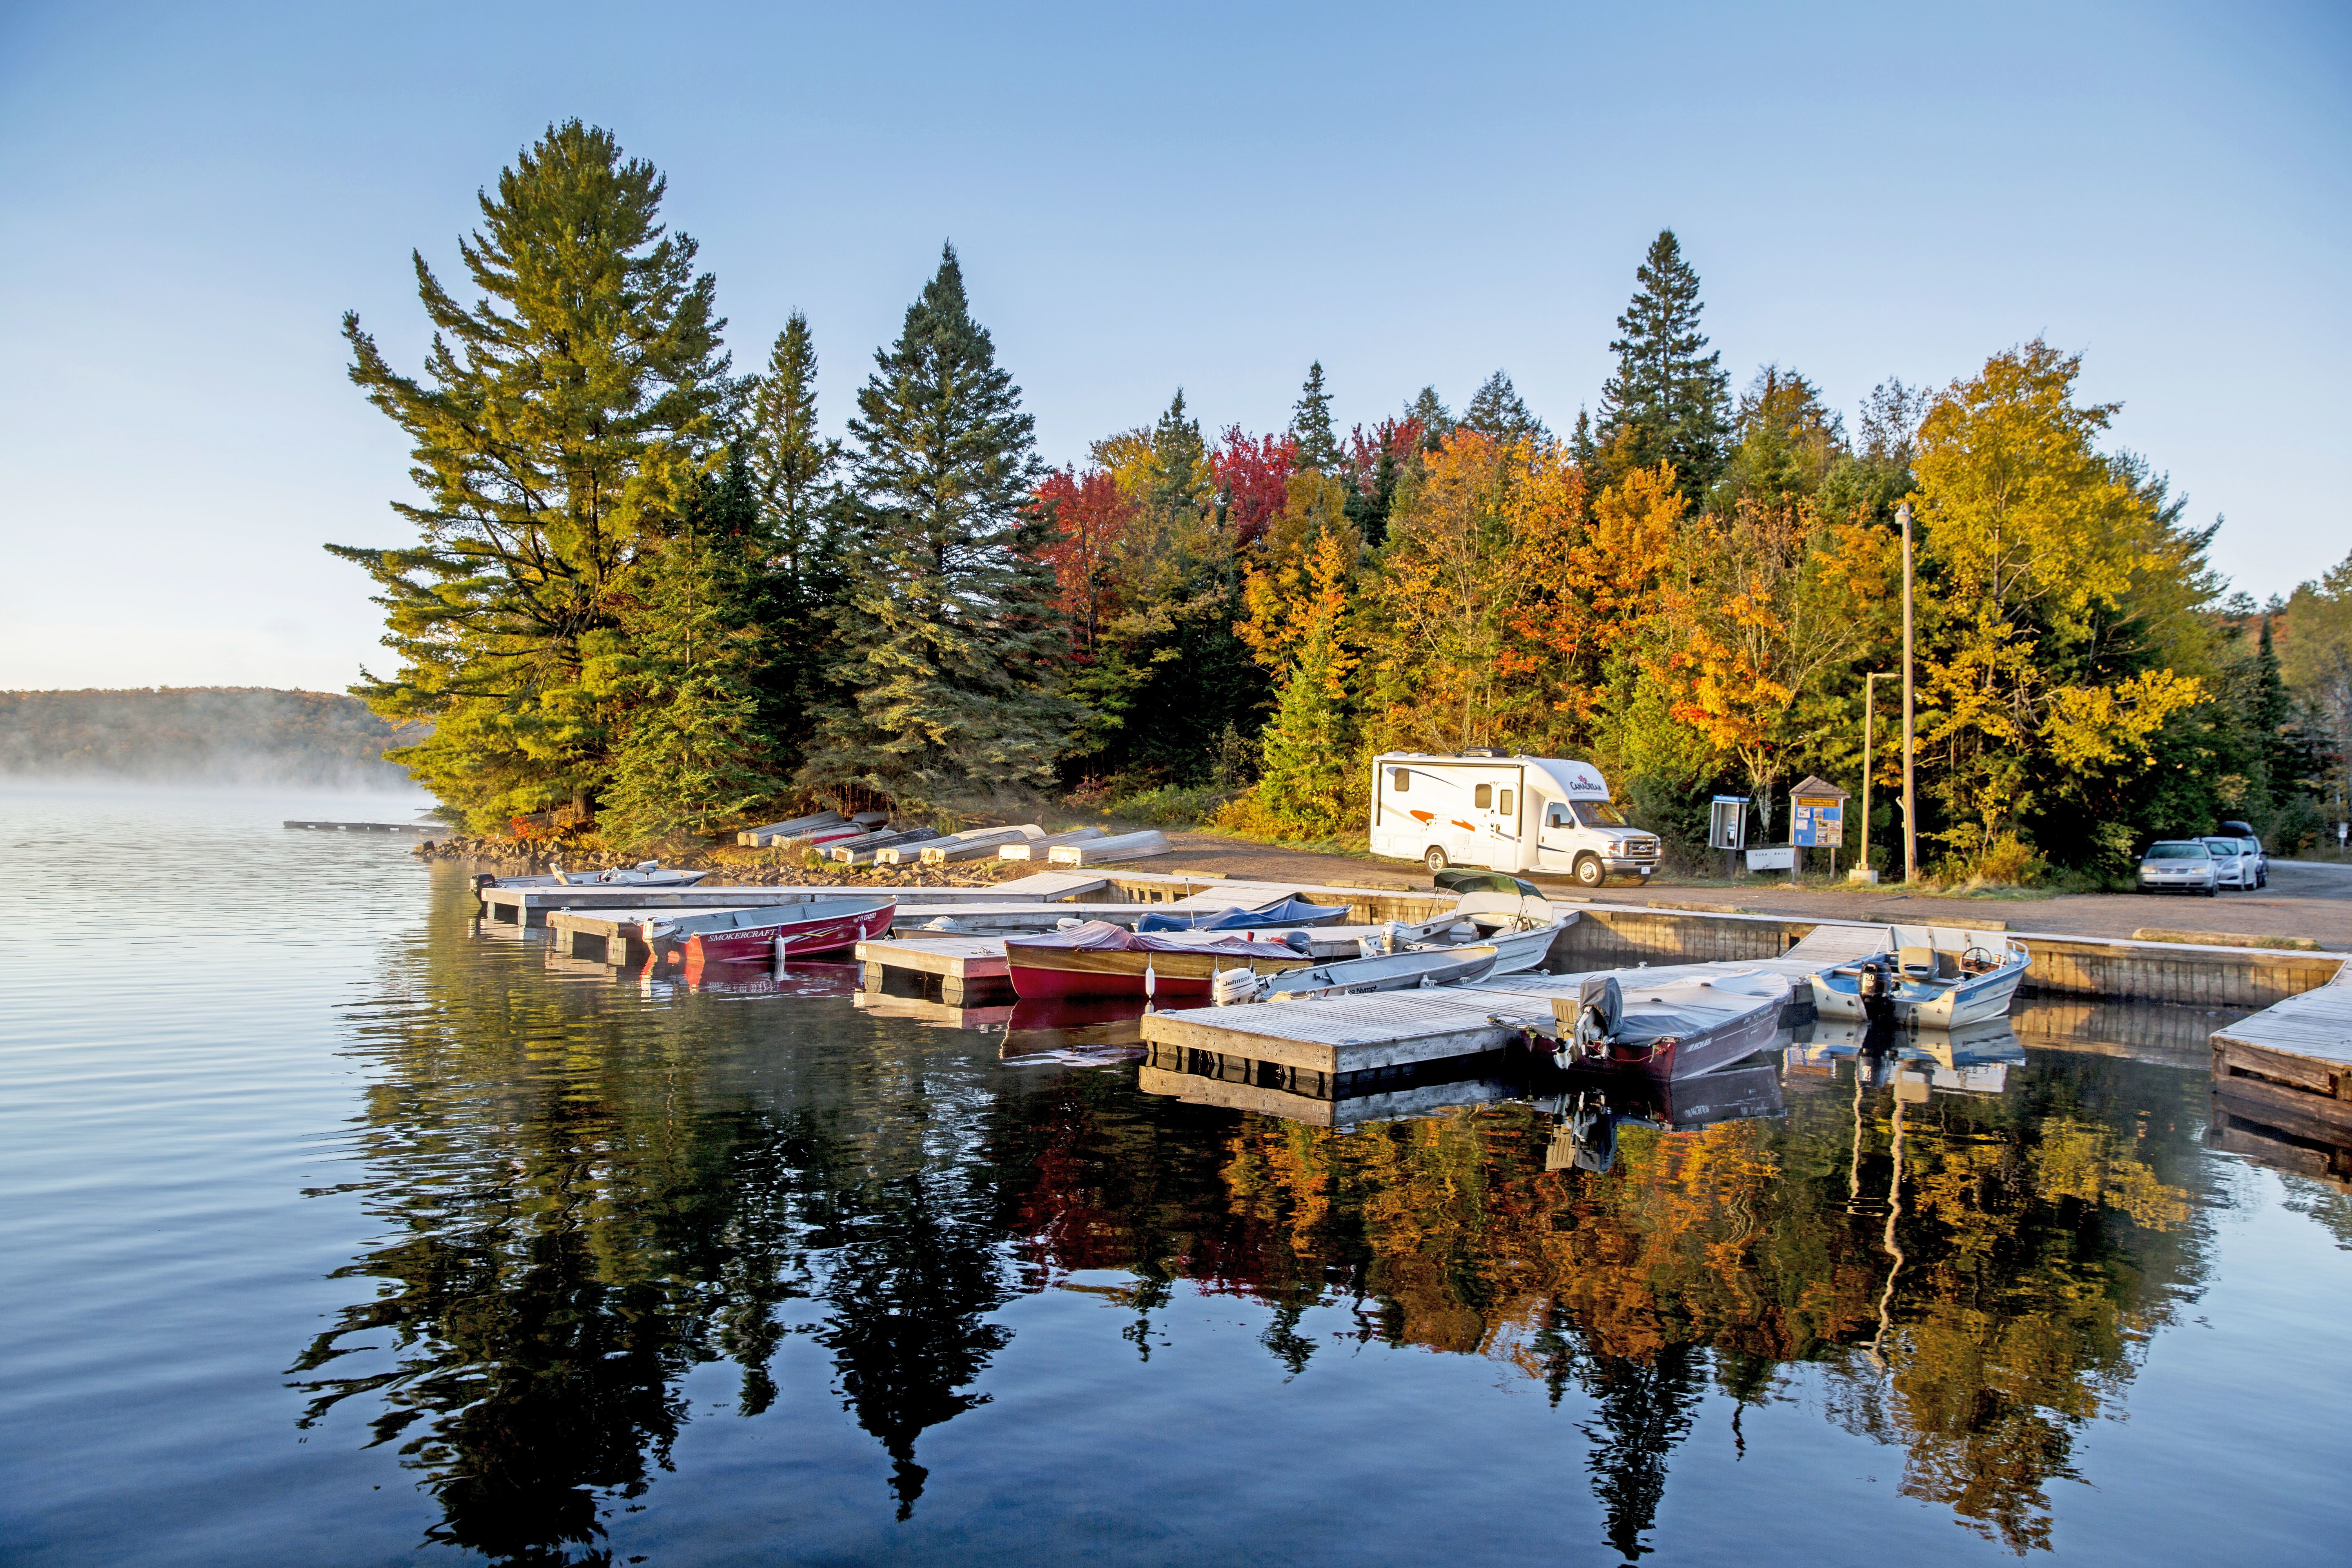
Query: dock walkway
{"type": "Point", "coordinates": [2290, 1065]}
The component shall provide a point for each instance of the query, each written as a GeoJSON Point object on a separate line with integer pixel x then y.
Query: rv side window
{"type": "Point", "coordinates": [1403, 777]}
{"type": "Point", "coordinates": [1484, 797]}
{"type": "Point", "coordinates": [1556, 816]}
{"type": "Point", "coordinates": [1506, 807]}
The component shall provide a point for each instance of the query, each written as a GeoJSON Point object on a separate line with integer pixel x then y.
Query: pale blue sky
{"type": "Point", "coordinates": [1200, 195]}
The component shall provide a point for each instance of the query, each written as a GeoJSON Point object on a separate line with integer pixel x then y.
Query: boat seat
{"type": "Point", "coordinates": [1919, 962]}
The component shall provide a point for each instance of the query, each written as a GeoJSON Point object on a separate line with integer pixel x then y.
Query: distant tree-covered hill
{"type": "Point", "coordinates": [210, 734]}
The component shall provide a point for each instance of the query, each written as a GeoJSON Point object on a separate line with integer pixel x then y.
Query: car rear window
{"type": "Point", "coordinates": [2177, 852]}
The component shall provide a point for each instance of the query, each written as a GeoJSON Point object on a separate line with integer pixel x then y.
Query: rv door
{"type": "Point", "coordinates": [1494, 798]}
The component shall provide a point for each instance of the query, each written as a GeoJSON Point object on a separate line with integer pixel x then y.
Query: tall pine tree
{"type": "Point", "coordinates": [1669, 400]}
{"type": "Point", "coordinates": [798, 503]}
{"type": "Point", "coordinates": [947, 633]}
{"type": "Point", "coordinates": [1311, 425]}
{"type": "Point", "coordinates": [564, 423]}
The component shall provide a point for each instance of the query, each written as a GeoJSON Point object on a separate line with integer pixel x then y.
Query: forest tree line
{"type": "Point", "coordinates": [199, 734]}
{"type": "Point", "coordinates": [656, 589]}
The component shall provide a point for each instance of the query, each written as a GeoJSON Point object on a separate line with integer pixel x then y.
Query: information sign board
{"type": "Point", "coordinates": [1820, 824]}
{"type": "Point", "coordinates": [1778, 857]}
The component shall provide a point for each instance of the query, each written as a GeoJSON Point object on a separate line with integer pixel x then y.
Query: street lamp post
{"type": "Point", "coordinates": [1869, 754]}
{"type": "Point", "coordinates": [1910, 816]}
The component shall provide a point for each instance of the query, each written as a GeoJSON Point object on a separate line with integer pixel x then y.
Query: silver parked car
{"type": "Point", "coordinates": [2233, 862]}
{"type": "Point", "coordinates": [2253, 847]}
{"type": "Point", "coordinates": [2178, 865]}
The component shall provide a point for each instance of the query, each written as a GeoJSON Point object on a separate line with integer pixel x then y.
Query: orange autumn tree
{"type": "Point", "coordinates": [1772, 607]}
{"type": "Point", "coordinates": [1500, 601]}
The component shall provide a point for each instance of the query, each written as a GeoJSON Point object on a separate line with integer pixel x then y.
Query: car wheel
{"type": "Point", "coordinates": [1435, 860]}
{"type": "Point", "coordinates": [1589, 872]}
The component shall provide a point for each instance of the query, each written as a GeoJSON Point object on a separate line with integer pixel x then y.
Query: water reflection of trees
{"type": "Point", "coordinates": [2044, 1235]}
{"type": "Point", "coordinates": [576, 1215]}
{"type": "Point", "coordinates": [582, 1198]}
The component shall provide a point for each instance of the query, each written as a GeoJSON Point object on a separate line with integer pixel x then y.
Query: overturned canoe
{"type": "Point", "coordinates": [1105, 851]}
{"type": "Point", "coordinates": [1038, 848]}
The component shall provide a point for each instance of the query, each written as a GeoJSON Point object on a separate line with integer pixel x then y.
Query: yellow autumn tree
{"type": "Point", "coordinates": [2046, 558]}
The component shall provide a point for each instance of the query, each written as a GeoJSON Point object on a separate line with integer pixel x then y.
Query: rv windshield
{"type": "Point", "coordinates": [1599, 813]}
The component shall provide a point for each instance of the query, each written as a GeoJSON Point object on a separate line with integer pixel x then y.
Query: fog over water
{"type": "Point", "coordinates": [340, 1229]}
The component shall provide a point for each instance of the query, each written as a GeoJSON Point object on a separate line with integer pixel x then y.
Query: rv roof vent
{"type": "Point", "coordinates": [1484, 752]}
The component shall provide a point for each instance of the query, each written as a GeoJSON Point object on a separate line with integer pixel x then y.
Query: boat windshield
{"type": "Point", "coordinates": [2177, 852]}
{"type": "Point", "coordinates": [1599, 813]}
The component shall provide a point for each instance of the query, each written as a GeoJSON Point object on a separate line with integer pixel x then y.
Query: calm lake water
{"type": "Point", "coordinates": [338, 1232]}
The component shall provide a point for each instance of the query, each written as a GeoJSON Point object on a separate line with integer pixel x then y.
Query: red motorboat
{"type": "Point", "coordinates": [1671, 1025]}
{"type": "Point", "coordinates": [1098, 959]}
{"type": "Point", "coordinates": [750, 936]}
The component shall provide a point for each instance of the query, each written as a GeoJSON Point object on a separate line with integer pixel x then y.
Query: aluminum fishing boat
{"type": "Point", "coordinates": [1939, 977]}
{"type": "Point", "coordinates": [750, 936]}
{"type": "Point", "coordinates": [1405, 971]}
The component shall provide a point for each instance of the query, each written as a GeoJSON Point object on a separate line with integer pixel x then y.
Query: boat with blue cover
{"type": "Point", "coordinates": [1286, 911]}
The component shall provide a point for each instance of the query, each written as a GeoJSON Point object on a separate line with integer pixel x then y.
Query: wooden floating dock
{"type": "Point", "coordinates": [1318, 1098]}
{"type": "Point", "coordinates": [530, 906]}
{"type": "Point", "coordinates": [2289, 1067]}
{"type": "Point", "coordinates": [1341, 1035]}
{"type": "Point", "coordinates": [953, 971]}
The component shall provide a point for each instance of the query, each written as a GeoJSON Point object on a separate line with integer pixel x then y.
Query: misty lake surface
{"type": "Point", "coordinates": [335, 1230]}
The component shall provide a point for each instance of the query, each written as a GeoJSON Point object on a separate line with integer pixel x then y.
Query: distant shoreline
{"type": "Point", "coordinates": [229, 737]}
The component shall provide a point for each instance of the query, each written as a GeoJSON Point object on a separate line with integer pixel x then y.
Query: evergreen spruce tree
{"type": "Point", "coordinates": [694, 755]}
{"type": "Point", "coordinates": [1310, 425]}
{"type": "Point", "coordinates": [1668, 400]}
{"type": "Point", "coordinates": [564, 422]}
{"type": "Point", "coordinates": [1180, 456]}
{"type": "Point", "coordinates": [947, 633]}
{"type": "Point", "coordinates": [1429, 411]}
{"type": "Point", "coordinates": [798, 503]}
{"type": "Point", "coordinates": [1581, 444]}
{"type": "Point", "coordinates": [1302, 772]}
{"type": "Point", "coordinates": [1499, 411]}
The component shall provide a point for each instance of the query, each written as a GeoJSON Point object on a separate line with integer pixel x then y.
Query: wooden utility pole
{"type": "Point", "coordinates": [1910, 802]}
{"type": "Point", "coordinates": [1869, 752]}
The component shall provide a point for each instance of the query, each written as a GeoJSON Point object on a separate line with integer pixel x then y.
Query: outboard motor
{"type": "Point", "coordinates": [1600, 1013]}
{"type": "Point", "coordinates": [1876, 986]}
{"type": "Point", "coordinates": [1584, 1138]}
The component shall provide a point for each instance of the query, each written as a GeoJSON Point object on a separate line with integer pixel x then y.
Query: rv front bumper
{"type": "Point", "coordinates": [1631, 867]}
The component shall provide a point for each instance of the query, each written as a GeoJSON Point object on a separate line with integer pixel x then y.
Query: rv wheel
{"type": "Point", "coordinates": [1435, 860]}
{"type": "Point", "coordinates": [1589, 873]}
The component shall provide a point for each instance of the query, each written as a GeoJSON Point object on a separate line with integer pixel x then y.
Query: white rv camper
{"type": "Point", "coordinates": [1506, 813]}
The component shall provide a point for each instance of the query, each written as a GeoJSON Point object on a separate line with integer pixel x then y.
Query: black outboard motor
{"type": "Point", "coordinates": [1876, 986]}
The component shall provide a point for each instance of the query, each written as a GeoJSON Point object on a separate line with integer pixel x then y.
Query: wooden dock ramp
{"type": "Point", "coordinates": [2290, 1066]}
